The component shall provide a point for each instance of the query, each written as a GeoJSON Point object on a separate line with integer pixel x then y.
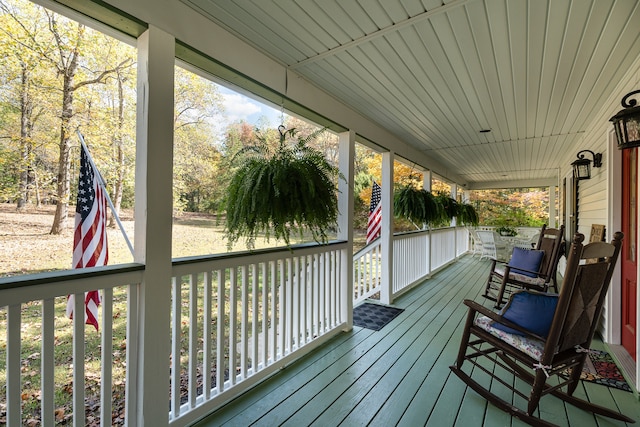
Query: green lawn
{"type": "Point", "coordinates": [29, 248]}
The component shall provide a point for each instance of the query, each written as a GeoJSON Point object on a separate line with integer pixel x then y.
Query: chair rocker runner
{"type": "Point", "coordinates": [564, 326]}
{"type": "Point", "coordinates": [528, 269]}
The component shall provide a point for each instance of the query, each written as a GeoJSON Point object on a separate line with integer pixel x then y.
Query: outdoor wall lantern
{"type": "Point", "coordinates": [582, 166]}
{"type": "Point", "coordinates": [627, 123]}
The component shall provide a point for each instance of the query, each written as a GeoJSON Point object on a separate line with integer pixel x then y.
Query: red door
{"type": "Point", "coordinates": [629, 250]}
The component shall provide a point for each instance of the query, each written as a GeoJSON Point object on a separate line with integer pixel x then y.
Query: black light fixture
{"type": "Point", "coordinates": [582, 166]}
{"type": "Point", "coordinates": [627, 122]}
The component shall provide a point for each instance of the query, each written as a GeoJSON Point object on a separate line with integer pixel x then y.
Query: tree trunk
{"type": "Point", "coordinates": [63, 189]}
{"type": "Point", "coordinates": [25, 147]}
{"type": "Point", "coordinates": [118, 142]}
{"type": "Point", "coordinates": [36, 189]}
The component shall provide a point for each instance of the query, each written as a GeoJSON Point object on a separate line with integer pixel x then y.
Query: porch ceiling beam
{"type": "Point", "coordinates": [392, 28]}
{"type": "Point", "coordinates": [529, 183]}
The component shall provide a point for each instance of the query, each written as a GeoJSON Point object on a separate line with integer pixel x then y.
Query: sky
{"type": "Point", "coordinates": [240, 107]}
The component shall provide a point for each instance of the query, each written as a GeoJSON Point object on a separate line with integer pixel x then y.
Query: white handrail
{"type": "Point", "coordinates": [235, 319]}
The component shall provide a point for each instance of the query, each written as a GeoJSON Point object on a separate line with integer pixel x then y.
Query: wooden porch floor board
{"type": "Point", "coordinates": [417, 363]}
{"type": "Point", "coordinates": [400, 375]}
{"type": "Point", "coordinates": [335, 402]}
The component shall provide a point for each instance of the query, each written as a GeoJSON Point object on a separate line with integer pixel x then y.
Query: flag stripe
{"type": "Point", "coordinates": [90, 248]}
{"type": "Point", "coordinates": [374, 223]}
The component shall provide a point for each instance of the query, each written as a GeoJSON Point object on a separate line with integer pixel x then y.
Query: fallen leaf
{"type": "Point", "coordinates": [59, 414]}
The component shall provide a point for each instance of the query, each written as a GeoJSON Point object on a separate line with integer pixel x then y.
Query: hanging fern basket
{"type": "Point", "coordinates": [467, 215]}
{"type": "Point", "coordinates": [422, 207]}
{"type": "Point", "coordinates": [277, 193]}
{"type": "Point", "coordinates": [417, 205]}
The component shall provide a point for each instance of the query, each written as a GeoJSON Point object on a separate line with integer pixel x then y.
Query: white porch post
{"type": "Point", "coordinates": [153, 210]}
{"type": "Point", "coordinates": [426, 180]}
{"type": "Point", "coordinates": [426, 184]}
{"type": "Point", "coordinates": [454, 195]}
{"type": "Point", "coordinates": [552, 206]}
{"type": "Point", "coordinates": [454, 221]}
{"type": "Point", "coordinates": [386, 233]}
{"type": "Point", "coordinates": [347, 142]}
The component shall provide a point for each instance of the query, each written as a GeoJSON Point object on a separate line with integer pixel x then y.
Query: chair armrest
{"type": "Point", "coordinates": [479, 308]}
{"type": "Point", "coordinates": [508, 268]}
{"type": "Point", "coordinates": [494, 262]}
{"type": "Point", "coordinates": [496, 317]}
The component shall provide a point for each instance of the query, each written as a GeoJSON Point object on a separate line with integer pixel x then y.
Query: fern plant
{"type": "Point", "coordinates": [277, 192]}
{"type": "Point", "coordinates": [464, 213]}
{"type": "Point", "coordinates": [449, 207]}
{"type": "Point", "coordinates": [417, 205]}
{"type": "Point", "coordinates": [422, 207]}
{"type": "Point", "coordinates": [467, 215]}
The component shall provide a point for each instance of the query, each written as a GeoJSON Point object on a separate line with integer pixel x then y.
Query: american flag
{"type": "Point", "coordinates": [90, 235]}
{"type": "Point", "coordinates": [375, 214]}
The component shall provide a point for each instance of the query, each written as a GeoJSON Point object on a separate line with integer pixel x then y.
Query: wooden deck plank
{"type": "Point", "coordinates": [473, 406]}
{"type": "Point", "coordinates": [576, 416]}
{"type": "Point", "coordinates": [399, 375]}
{"type": "Point", "coordinates": [395, 354]}
{"type": "Point", "coordinates": [396, 404]}
{"type": "Point", "coordinates": [270, 394]}
{"type": "Point", "coordinates": [393, 382]}
{"type": "Point", "coordinates": [626, 402]}
{"type": "Point", "coordinates": [439, 358]}
{"type": "Point", "coordinates": [369, 355]}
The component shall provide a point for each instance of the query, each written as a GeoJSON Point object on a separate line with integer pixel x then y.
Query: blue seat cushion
{"type": "Point", "coordinates": [531, 310]}
{"type": "Point", "coordinates": [526, 259]}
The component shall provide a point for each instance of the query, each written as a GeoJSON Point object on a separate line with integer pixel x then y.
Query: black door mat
{"type": "Point", "coordinates": [374, 316]}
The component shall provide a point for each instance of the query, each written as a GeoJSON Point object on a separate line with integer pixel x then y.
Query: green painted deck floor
{"type": "Point", "coordinates": [400, 375]}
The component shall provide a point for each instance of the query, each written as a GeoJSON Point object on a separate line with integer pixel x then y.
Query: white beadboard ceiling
{"type": "Point", "coordinates": [435, 73]}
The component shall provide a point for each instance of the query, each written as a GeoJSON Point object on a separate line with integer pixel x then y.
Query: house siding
{"type": "Point", "coordinates": [599, 196]}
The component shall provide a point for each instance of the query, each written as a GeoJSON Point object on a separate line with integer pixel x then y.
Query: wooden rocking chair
{"type": "Point", "coordinates": [556, 349]}
{"type": "Point", "coordinates": [528, 269]}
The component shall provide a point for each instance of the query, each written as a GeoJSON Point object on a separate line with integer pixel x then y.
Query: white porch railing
{"type": "Point", "coordinates": [367, 268]}
{"type": "Point", "coordinates": [44, 298]}
{"type": "Point", "coordinates": [443, 242]}
{"type": "Point", "coordinates": [411, 252]}
{"type": "Point", "coordinates": [416, 255]}
{"type": "Point", "coordinates": [463, 241]}
{"type": "Point", "coordinates": [235, 320]}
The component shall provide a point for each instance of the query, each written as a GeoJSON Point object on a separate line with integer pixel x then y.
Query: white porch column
{"type": "Point", "coordinates": [426, 184]}
{"type": "Point", "coordinates": [347, 143]}
{"type": "Point", "coordinates": [386, 233]}
{"type": "Point", "coordinates": [552, 206]}
{"type": "Point", "coordinates": [153, 213]}
{"type": "Point", "coordinates": [454, 195]}
{"type": "Point", "coordinates": [426, 180]}
{"type": "Point", "coordinates": [454, 221]}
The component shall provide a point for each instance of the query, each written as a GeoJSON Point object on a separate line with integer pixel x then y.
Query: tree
{"type": "Point", "coordinates": [70, 40]}
{"type": "Point", "coordinates": [8, 174]}
{"type": "Point", "coordinates": [327, 143]}
{"type": "Point", "coordinates": [118, 144]}
{"type": "Point", "coordinates": [512, 207]}
{"type": "Point", "coordinates": [198, 106]}
{"type": "Point", "coordinates": [107, 114]}
{"type": "Point", "coordinates": [402, 174]}
{"type": "Point", "coordinates": [20, 44]}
